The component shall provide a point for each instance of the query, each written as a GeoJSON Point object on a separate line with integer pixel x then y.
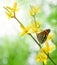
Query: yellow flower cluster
{"type": "Point", "coordinates": [48, 49]}
{"type": "Point", "coordinates": [41, 57]}
{"type": "Point", "coordinates": [10, 12]}
{"type": "Point", "coordinates": [35, 27]}
{"type": "Point", "coordinates": [26, 30]}
{"type": "Point", "coordinates": [34, 10]}
{"type": "Point", "coordinates": [31, 28]}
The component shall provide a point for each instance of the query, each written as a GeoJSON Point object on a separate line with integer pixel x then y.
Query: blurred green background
{"type": "Point", "coordinates": [17, 50]}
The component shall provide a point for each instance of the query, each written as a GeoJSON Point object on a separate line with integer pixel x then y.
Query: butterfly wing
{"type": "Point", "coordinates": [42, 36]}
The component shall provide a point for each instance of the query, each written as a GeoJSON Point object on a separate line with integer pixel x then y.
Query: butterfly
{"type": "Point", "coordinates": [42, 36]}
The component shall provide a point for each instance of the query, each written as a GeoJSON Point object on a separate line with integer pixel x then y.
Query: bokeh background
{"type": "Point", "coordinates": [22, 50]}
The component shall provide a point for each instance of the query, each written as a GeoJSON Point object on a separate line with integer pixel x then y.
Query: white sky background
{"type": "Point", "coordinates": [11, 27]}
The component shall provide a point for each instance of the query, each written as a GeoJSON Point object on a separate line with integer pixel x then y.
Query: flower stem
{"type": "Point", "coordinates": [34, 39]}
{"type": "Point", "coordinates": [43, 63]}
{"type": "Point", "coordinates": [51, 59]}
{"type": "Point", "coordinates": [34, 19]}
{"type": "Point", "coordinates": [19, 21]}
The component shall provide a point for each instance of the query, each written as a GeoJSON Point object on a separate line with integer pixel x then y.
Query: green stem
{"type": "Point", "coordinates": [43, 63]}
{"type": "Point", "coordinates": [34, 19]}
{"type": "Point", "coordinates": [19, 21]}
{"type": "Point", "coordinates": [50, 58]}
{"type": "Point", "coordinates": [34, 39]}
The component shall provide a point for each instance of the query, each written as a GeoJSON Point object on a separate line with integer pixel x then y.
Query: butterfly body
{"type": "Point", "coordinates": [42, 36]}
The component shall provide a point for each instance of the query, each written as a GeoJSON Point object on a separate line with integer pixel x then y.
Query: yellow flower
{"type": "Point", "coordinates": [34, 10]}
{"type": "Point", "coordinates": [50, 36]}
{"type": "Point", "coordinates": [41, 57]}
{"type": "Point", "coordinates": [14, 9]}
{"type": "Point", "coordinates": [48, 49]}
{"type": "Point", "coordinates": [10, 12]}
{"type": "Point", "coordinates": [35, 27]}
{"type": "Point", "coordinates": [25, 30]}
